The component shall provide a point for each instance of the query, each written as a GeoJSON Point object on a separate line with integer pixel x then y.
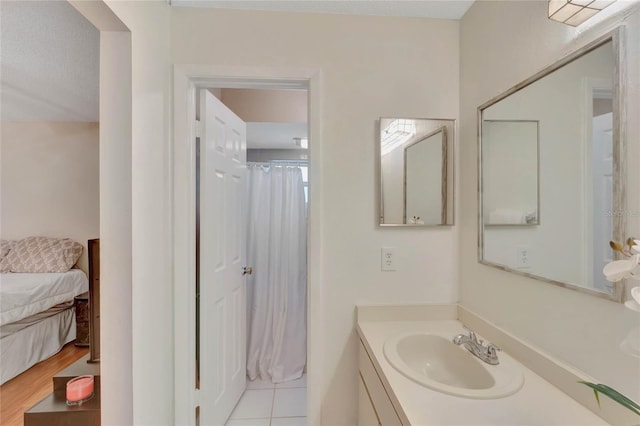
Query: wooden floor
{"type": "Point", "coordinates": [23, 391]}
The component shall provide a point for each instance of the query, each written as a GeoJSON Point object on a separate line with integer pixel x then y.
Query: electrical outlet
{"type": "Point", "coordinates": [522, 257]}
{"type": "Point", "coordinates": [388, 259]}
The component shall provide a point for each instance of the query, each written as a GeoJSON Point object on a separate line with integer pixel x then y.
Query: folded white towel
{"type": "Point", "coordinates": [507, 217]}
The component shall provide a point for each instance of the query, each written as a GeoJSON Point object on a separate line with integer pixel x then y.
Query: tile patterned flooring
{"type": "Point", "coordinates": [267, 404]}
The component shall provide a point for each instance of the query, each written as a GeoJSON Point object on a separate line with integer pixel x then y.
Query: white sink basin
{"type": "Point", "coordinates": [433, 360]}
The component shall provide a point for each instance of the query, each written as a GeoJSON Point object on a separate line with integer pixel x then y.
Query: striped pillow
{"type": "Point", "coordinates": [5, 246]}
{"type": "Point", "coordinates": [43, 254]}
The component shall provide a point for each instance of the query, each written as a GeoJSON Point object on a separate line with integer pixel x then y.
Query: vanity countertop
{"type": "Point", "coordinates": [536, 403]}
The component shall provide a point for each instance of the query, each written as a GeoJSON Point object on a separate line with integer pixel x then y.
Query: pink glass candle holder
{"type": "Point", "coordinates": [79, 390]}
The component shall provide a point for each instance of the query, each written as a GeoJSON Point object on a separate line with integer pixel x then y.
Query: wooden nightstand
{"type": "Point", "coordinates": [81, 303]}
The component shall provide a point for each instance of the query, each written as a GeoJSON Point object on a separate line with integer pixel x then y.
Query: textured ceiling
{"type": "Point", "coordinates": [441, 9]}
{"type": "Point", "coordinates": [50, 62]}
{"type": "Point", "coordinates": [49, 53]}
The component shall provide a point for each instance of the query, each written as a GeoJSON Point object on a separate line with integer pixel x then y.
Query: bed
{"type": "Point", "coordinates": [37, 317]}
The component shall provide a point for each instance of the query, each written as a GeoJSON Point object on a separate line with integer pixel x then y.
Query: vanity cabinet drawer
{"type": "Point", "coordinates": [383, 408]}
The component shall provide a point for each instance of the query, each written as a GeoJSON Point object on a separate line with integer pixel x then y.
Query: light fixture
{"type": "Point", "coordinates": [575, 12]}
{"type": "Point", "coordinates": [301, 142]}
{"type": "Point", "coordinates": [395, 134]}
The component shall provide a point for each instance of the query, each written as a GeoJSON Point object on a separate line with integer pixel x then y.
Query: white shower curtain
{"type": "Point", "coordinates": [276, 291]}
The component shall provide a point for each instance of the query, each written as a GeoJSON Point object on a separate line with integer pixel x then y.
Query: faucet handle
{"type": "Point", "coordinates": [491, 355]}
{"type": "Point", "coordinates": [472, 334]}
{"type": "Point", "coordinates": [492, 349]}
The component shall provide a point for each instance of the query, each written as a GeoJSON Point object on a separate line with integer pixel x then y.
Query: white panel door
{"type": "Point", "coordinates": [602, 197]}
{"type": "Point", "coordinates": [222, 257]}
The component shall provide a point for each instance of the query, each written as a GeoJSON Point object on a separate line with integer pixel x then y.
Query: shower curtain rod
{"type": "Point", "coordinates": [278, 163]}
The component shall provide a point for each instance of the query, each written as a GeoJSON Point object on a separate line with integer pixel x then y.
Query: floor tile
{"type": "Point", "coordinates": [299, 383]}
{"type": "Point", "coordinates": [248, 422]}
{"type": "Point", "coordinates": [260, 384]}
{"type": "Point", "coordinates": [254, 404]}
{"type": "Point", "coordinates": [290, 403]}
{"type": "Point", "coordinates": [289, 421]}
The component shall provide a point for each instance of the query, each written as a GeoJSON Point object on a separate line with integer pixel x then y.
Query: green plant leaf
{"type": "Point", "coordinates": [614, 395]}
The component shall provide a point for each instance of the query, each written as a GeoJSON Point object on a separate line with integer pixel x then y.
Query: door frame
{"type": "Point", "coordinates": [591, 87]}
{"type": "Point", "coordinates": [187, 79]}
{"type": "Point", "coordinates": [116, 297]}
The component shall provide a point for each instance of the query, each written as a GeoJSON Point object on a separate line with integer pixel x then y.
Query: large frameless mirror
{"type": "Point", "coordinates": [416, 172]}
{"type": "Point", "coordinates": [551, 167]}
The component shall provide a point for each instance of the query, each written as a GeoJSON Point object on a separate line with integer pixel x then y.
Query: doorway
{"type": "Point", "coordinates": [264, 312]}
{"type": "Point", "coordinates": [188, 79]}
{"type": "Point", "coordinates": [600, 220]}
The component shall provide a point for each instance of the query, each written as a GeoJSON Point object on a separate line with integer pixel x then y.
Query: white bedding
{"type": "Point", "coordinates": [33, 344]}
{"type": "Point", "coordinates": [23, 295]}
{"type": "Point", "coordinates": [14, 327]}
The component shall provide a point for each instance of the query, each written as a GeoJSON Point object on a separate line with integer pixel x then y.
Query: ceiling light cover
{"type": "Point", "coordinates": [575, 12]}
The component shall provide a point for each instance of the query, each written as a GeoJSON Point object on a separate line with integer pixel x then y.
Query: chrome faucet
{"type": "Point", "coordinates": [486, 353]}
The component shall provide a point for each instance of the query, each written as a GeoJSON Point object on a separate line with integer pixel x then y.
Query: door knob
{"type": "Point", "coordinates": [247, 270]}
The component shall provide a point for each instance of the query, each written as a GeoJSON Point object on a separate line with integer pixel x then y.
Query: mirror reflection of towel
{"type": "Point", "coordinates": [507, 217]}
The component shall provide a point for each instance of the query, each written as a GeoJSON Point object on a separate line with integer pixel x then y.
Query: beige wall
{"type": "Point", "coordinates": [49, 182]}
{"type": "Point", "coordinates": [256, 105]}
{"type": "Point", "coordinates": [116, 341]}
{"type": "Point", "coordinates": [370, 67]}
{"type": "Point", "coordinates": [502, 43]}
{"type": "Point", "coordinates": [151, 325]}
{"type": "Point", "coordinates": [136, 239]}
